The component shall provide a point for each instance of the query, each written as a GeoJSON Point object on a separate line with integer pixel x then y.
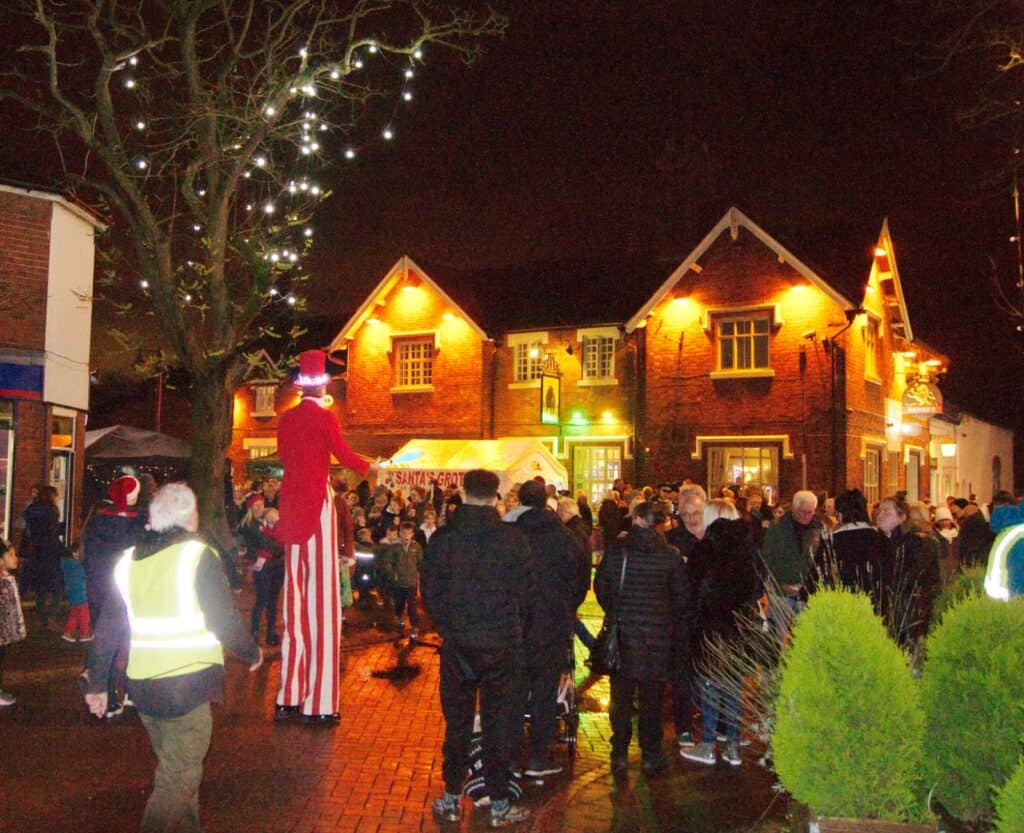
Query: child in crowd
{"type": "Point", "coordinates": [267, 575]}
{"type": "Point", "coordinates": [12, 621]}
{"type": "Point", "coordinates": [399, 563]}
{"type": "Point", "coordinates": [77, 627]}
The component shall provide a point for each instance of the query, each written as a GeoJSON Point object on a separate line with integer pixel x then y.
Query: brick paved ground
{"type": "Point", "coordinates": [61, 770]}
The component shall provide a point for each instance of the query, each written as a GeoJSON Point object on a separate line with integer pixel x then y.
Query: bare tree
{"type": "Point", "coordinates": [206, 128]}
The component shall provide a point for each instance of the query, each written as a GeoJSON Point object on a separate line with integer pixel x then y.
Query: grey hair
{"type": "Point", "coordinates": [805, 496]}
{"type": "Point", "coordinates": [719, 508]}
{"type": "Point", "coordinates": [692, 489]}
{"type": "Point", "coordinates": [174, 505]}
{"type": "Point", "coordinates": [569, 506]}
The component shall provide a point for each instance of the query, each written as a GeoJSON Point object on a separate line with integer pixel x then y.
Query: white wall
{"type": "Point", "coordinates": [977, 444]}
{"type": "Point", "coordinates": [69, 309]}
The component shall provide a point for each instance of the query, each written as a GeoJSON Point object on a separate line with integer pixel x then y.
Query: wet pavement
{"type": "Point", "coordinates": [62, 770]}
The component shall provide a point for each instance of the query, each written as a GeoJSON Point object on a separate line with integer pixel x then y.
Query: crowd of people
{"type": "Point", "coordinates": [500, 577]}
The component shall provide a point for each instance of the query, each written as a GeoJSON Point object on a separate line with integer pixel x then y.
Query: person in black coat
{"type": "Point", "coordinates": [853, 554]}
{"type": "Point", "coordinates": [561, 588]}
{"type": "Point", "coordinates": [479, 587]}
{"type": "Point", "coordinates": [725, 583]}
{"type": "Point", "coordinates": [42, 525]}
{"type": "Point", "coordinates": [649, 606]}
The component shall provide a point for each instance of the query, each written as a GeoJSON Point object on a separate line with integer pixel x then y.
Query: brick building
{"type": "Point", "coordinates": [746, 365]}
{"type": "Point", "coordinates": [46, 285]}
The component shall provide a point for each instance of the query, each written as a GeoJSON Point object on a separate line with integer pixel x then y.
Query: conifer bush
{"type": "Point", "coordinates": [1010, 803]}
{"type": "Point", "coordinates": [972, 693]}
{"type": "Point", "coordinates": [849, 728]}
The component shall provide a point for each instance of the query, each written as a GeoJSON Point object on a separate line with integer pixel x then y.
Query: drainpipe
{"type": "Point", "coordinates": [851, 316]}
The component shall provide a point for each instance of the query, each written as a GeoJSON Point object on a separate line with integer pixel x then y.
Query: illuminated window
{"type": "Point", "coordinates": [598, 357]}
{"type": "Point", "coordinates": [529, 358]}
{"type": "Point", "coordinates": [871, 348]}
{"type": "Point", "coordinates": [744, 466]}
{"type": "Point", "coordinates": [414, 362]}
{"type": "Point", "coordinates": [872, 474]}
{"type": "Point", "coordinates": [263, 400]}
{"type": "Point", "coordinates": [743, 343]}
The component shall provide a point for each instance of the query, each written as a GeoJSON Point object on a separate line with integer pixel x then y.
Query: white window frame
{"type": "Point", "coordinates": [260, 448]}
{"type": "Point", "coordinates": [753, 320]}
{"type": "Point", "coordinates": [597, 353]}
{"type": "Point", "coordinates": [527, 369]}
{"type": "Point", "coordinates": [403, 344]}
{"type": "Point", "coordinates": [873, 479]}
{"type": "Point", "coordinates": [260, 395]}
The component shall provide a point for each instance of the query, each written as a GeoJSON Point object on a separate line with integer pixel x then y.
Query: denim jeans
{"type": "Point", "coordinates": [714, 697]}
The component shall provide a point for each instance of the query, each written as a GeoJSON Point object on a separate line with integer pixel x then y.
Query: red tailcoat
{"type": "Point", "coordinates": [307, 435]}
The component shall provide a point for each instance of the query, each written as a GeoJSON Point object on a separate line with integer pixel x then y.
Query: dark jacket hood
{"type": "Point", "coordinates": [645, 539]}
{"type": "Point", "coordinates": [729, 536]}
{"type": "Point", "coordinates": [538, 519]}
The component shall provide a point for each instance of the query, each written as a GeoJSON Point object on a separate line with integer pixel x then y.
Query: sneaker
{"type": "Point", "coordinates": [6, 698]}
{"type": "Point", "coordinates": [447, 808]}
{"type": "Point", "coordinates": [731, 755]}
{"type": "Point", "coordinates": [702, 753]}
{"type": "Point", "coordinates": [685, 739]}
{"type": "Point", "coordinates": [114, 709]}
{"type": "Point", "coordinates": [504, 813]}
{"type": "Point", "coordinates": [539, 768]}
{"type": "Point", "coordinates": [722, 738]}
{"type": "Point", "coordinates": [87, 638]}
{"type": "Point", "coordinates": [68, 637]}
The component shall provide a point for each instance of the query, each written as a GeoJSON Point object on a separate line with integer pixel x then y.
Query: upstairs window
{"type": "Point", "coordinates": [414, 362]}
{"type": "Point", "coordinates": [263, 400]}
{"type": "Point", "coordinates": [529, 359]}
{"type": "Point", "coordinates": [598, 357]}
{"type": "Point", "coordinates": [743, 343]}
{"type": "Point", "coordinates": [871, 348]}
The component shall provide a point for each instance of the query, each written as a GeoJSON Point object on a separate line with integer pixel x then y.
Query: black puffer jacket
{"type": "Point", "coordinates": [477, 580]}
{"type": "Point", "coordinates": [107, 534]}
{"type": "Point", "coordinates": [652, 603]}
{"type": "Point", "coordinates": [561, 585]}
{"type": "Point", "coordinates": [724, 579]}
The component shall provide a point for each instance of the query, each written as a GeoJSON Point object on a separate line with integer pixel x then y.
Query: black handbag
{"type": "Point", "coordinates": [606, 656]}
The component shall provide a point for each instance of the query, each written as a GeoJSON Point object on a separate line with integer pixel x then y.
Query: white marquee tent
{"type": "Point", "coordinates": [420, 462]}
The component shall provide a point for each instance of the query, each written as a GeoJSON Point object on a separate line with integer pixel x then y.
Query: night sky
{"type": "Point", "coordinates": [597, 129]}
{"type": "Point", "coordinates": [594, 129]}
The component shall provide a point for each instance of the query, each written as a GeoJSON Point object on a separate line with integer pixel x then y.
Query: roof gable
{"type": "Point", "coordinates": [732, 221]}
{"type": "Point", "coordinates": [886, 273]}
{"type": "Point", "coordinates": [403, 269]}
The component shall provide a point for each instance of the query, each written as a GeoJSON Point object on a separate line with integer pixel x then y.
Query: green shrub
{"type": "Point", "coordinates": [972, 693]}
{"type": "Point", "coordinates": [969, 582]}
{"type": "Point", "coordinates": [848, 733]}
{"type": "Point", "coordinates": [1010, 803]}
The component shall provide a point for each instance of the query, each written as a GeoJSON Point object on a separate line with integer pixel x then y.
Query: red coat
{"type": "Point", "coordinates": [307, 435]}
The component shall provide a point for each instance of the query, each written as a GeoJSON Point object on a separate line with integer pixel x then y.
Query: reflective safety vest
{"type": "Point", "coordinates": [169, 636]}
{"type": "Point", "coordinates": [997, 576]}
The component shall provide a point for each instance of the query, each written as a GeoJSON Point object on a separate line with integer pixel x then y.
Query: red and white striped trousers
{"type": "Point", "coordinates": [311, 617]}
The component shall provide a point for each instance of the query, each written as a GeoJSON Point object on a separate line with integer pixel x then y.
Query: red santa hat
{"type": "Point", "coordinates": [312, 369]}
{"type": "Point", "coordinates": [123, 492]}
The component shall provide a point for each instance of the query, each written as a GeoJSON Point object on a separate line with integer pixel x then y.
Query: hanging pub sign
{"type": "Point", "coordinates": [922, 398]}
{"type": "Point", "coordinates": [550, 398]}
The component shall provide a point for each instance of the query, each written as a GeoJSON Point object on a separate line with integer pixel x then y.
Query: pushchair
{"type": "Point", "coordinates": [566, 708]}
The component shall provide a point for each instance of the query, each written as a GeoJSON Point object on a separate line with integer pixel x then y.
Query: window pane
{"type": "Point", "coordinates": [415, 363]}
{"type": "Point", "coordinates": [761, 351]}
{"type": "Point", "coordinates": [727, 361]}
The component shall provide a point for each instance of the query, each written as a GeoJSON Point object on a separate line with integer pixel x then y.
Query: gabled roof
{"type": "Point", "coordinates": [888, 270]}
{"type": "Point", "coordinates": [732, 221]}
{"type": "Point", "coordinates": [397, 273]}
{"type": "Point", "coordinates": [53, 195]}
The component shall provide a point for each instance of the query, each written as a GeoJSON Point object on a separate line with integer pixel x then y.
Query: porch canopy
{"type": "Point", "coordinates": [122, 442]}
{"type": "Point", "coordinates": [420, 462]}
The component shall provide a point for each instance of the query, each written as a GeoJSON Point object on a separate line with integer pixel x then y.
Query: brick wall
{"type": "Point", "coordinates": [682, 399]}
{"type": "Point", "coordinates": [25, 236]}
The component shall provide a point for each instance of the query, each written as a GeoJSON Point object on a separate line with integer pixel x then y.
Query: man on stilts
{"type": "Point", "coordinates": [307, 436]}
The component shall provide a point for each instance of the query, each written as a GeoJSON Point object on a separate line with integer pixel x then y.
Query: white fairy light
{"type": "Point", "coordinates": [140, 125]}
{"type": "Point", "coordinates": [188, 296]}
{"type": "Point", "coordinates": [335, 75]}
{"type": "Point", "coordinates": [303, 186]}
{"type": "Point", "coordinates": [260, 161]}
{"type": "Point", "coordinates": [308, 232]}
{"type": "Point", "coordinates": [418, 54]}
{"type": "Point", "coordinates": [274, 257]}
{"type": "Point", "coordinates": [196, 227]}
{"type": "Point", "coordinates": [268, 208]}
{"type": "Point", "coordinates": [144, 283]}
{"type": "Point", "coordinates": [303, 52]}
{"type": "Point", "coordinates": [372, 49]}
{"type": "Point", "coordinates": [273, 290]}
{"type": "Point", "coordinates": [309, 90]}
{"type": "Point", "coordinates": [270, 110]}
{"type": "Point", "coordinates": [248, 206]}
{"type": "Point", "coordinates": [315, 147]}
{"type": "Point", "coordinates": [293, 257]}
{"type": "Point", "coordinates": [201, 192]}
{"type": "Point", "coordinates": [358, 63]}
{"type": "Point", "coordinates": [133, 60]}
{"type": "Point", "coordinates": [350, 153]}
{"type": "Point", "coordinates": [291, 300]}
{"type": "Point", "coordinates": [141, 164]}
{"type": "Point", "coordinates": [388, 134]}
{"type": "Point", "coordinates": [305, 150]}
{"type": "Point", "coordinates": [409, 74]}
{"type": "Point", "coordinates": [247, 174]}
{"type": "Point", "coordinates": [315, 190]}
{"type": "Point", "coordinates": [323, 128]}
{"type": "Point", "coordinates": [407, 96]}
{"type": "Point", "coordinates": [129, 83]}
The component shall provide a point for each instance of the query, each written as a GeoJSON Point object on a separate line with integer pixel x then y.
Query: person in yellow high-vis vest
{"type": "Point", "coordinates": [175, 605]}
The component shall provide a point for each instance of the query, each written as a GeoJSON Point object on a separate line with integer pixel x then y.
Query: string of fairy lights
{"type": "Point", "coordinates": [274, 215]}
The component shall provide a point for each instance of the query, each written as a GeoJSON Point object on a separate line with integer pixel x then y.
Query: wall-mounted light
{"type": "Point", "coordinates": [880, 252]}
{"type": "Point", "coordinates": [373, 320]}
{"type": "Point", "coordinates": [947, 449]}
{"type": "Point", "coordinates": [448, 316]}
{"type": "Point", "coordinates": [608, 418]}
